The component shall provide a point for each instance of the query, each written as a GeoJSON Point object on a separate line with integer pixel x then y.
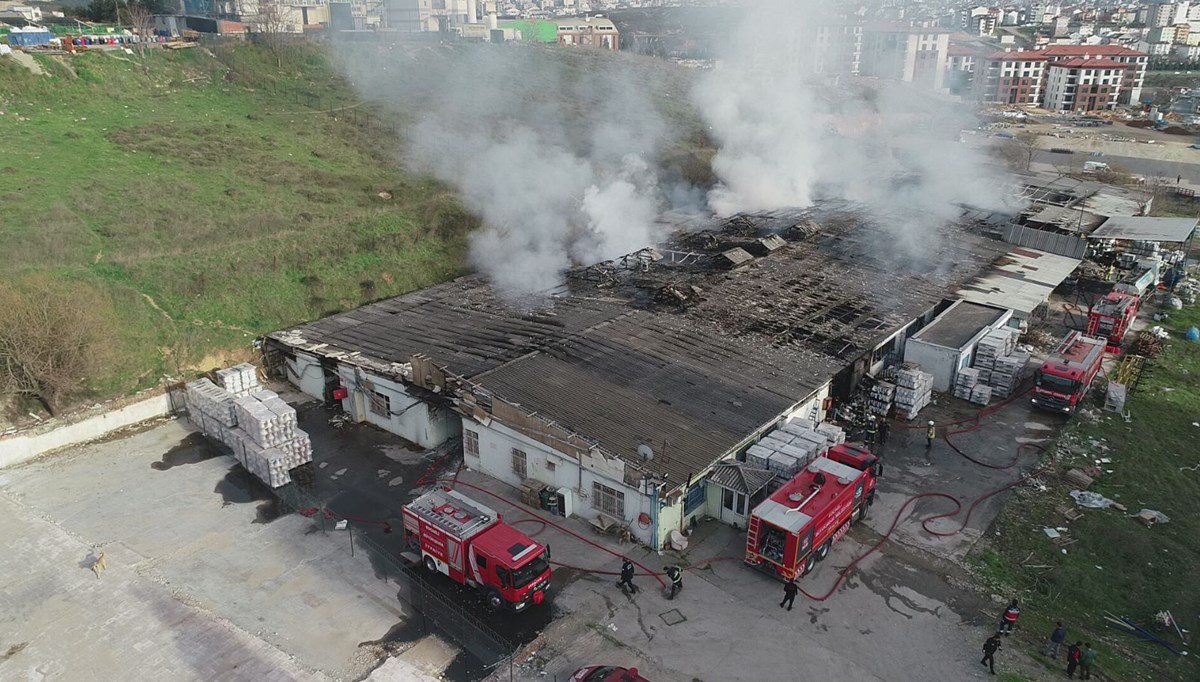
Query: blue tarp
{"type": "Point", "coordinates": [29, 38]}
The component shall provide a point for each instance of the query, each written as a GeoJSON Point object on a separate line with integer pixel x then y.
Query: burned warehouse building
{"type": "Point", "coordinates": [633, 387]}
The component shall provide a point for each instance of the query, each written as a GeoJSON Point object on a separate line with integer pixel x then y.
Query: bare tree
{"type": "Point", "coordinates": [141, 20]}
{"type": "Point", "coordinates": [54, 339]}
{"type": "Point", "coordinates": [273, 26]}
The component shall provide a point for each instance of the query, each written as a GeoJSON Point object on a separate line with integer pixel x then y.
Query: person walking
{"type": "Point", "coordinates": [1087, 659]}
{"type": "Point", "coordinates": [1056, 639]}
{"type": "Point", "coordinates": [990, 647]}
{"type": "Point", "coordinates": [790, 588]}
{"type": "Point", "coordinates": [1009, 619]}
{"type": "Point", "coordinates": [1074, 654]}
{"type": "Point", "coordinates": [930, 435]}
{"type": "Point", "coordinates": [675, 573]}
{"type": "Point", "coordinates": [627, 575]}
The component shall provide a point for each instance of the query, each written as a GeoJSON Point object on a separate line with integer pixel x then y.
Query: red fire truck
{"type": "Point", "coordinates": [794, 528]}
{"type": "Point", "coordinates": [1064, 378]}
{"type": "Point", "coordinates": [1111, 317]}
{"type": "Point", "coordinates": [470, 543]}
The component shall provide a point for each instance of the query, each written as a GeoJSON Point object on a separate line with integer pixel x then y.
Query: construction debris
{"type": "Point", "coordinates": [1091, 500]}
{"type": "Point", "coordinates": [1150, 517]}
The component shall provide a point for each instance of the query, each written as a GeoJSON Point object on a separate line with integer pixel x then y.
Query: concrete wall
{"type": "Point", "coordinates": [305, 373]}
{"type": "Point", "coordinates": [939, 361]}
{"type": "Point", "coordinates": [412, 419]}
{"type": "Point", "coordinates": [90, 425]}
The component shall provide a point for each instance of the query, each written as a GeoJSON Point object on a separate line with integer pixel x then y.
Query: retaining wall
{"type": "Point", "coordinates": [87, 425]}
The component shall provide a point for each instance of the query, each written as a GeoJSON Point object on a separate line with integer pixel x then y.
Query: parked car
{"type": "Point", "coordinates": [606, 673]}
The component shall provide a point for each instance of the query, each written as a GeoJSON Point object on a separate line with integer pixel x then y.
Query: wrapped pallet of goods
{"type": "Point", "coordinates": [981, 394]}
{"type": "Point", "coordinates": [758, 455]}
{"type": "Point", "coordinates": [832, 432]}
{"type": "Point", "coordinates": [1008, 373]}
{"type": "Point", "coordinates": [966, 379]}
{"type": "Point", "coordinates": [240, 379]}
{"type": "Point", "coordinates": [914, 389]}
{"type": "Point", "coordinates": [882, 398]}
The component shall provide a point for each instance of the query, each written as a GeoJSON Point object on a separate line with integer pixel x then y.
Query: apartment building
{"type": "Point", "coordinates": [913, 54]}
{"type": "Point", "coordinates": [1084, 84]}
{"type": "Point", "coordinates": [1114, 75]}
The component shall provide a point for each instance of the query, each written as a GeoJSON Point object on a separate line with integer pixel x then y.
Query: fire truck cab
{"type": "Point", "coordinates": [1062, 382]}
{"type": "Point", "coordinates": [1111, 317]}
{"type": "Point", "coordinates": [469, 542]}
{"type": "Point", "coordinates": [795, 527]}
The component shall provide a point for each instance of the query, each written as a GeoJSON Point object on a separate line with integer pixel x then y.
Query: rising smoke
{"type": "Point", "coordinates": [788, 137]}
{"type": "Point", "coordinates": [559, 157]}
{"type": "Point", "coordinates": [559, 162]}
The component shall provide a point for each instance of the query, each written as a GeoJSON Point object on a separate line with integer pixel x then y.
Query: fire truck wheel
{"type": "Point", "coordinates": [494, 601]}
{"type": "Point", "coordinates": [809, 564]}
{"type": "Point", "coordinates": [858, 514]}
{"type": "Point", "coordinates": [430, 564]}
{"type": "Point", "coordinates": [823, 550]}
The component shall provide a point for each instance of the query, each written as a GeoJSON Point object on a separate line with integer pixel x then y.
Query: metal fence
{"type": "Point", "coordinates": [436, 613]}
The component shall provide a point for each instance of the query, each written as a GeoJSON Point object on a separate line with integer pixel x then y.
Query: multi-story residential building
{"type": "Point", "coordinates": [412, 16]}
{"type": "Point", "coordinates": [1180, 33]}
{"type": "Point", "coordinates": [1084, 76]}
{"type": "Point", "coordinates": [1011, 78]}
{"type": "Point", "coordinates": [899, 51]}
{"type": "Point", "coordinates": [960, 68]}
{"type": "Point", "coordinates": [1083, 84]}
{"type": "Point", "coordinates": [1158, 13]}
{"type": "Point", "coordinates": [1159, 49]}
{"type": "Point", "coordinates": [837, 48]}
{"type": "Point", "coordinates": [1160, 34]}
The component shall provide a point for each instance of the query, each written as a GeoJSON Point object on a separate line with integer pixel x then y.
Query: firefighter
{"type": "Point", "coordinates": [990, 647]}
{"type": "Point", "coordinates": [790, 588]}
{"type": "Point", "coordinates": [872, 433]}
{"type": "Point", "coordinates": [930, 435]}
{"type": "Point", "coordinates": [627, 575]}
{"type": "Point", "coordinates": [675, 573]}
{"type": "Point", "coordinates": [884, 427]}
{"type": "Point", "coordinates": [1009, 619]}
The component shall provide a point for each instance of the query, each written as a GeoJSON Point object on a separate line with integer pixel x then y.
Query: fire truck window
{"type": "Point", "coordinates": [481, 561]}
{"type": "Point", "coordinates": [502, 574]}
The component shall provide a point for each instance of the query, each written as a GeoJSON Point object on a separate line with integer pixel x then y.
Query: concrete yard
{"type": "Point", "coordinates": [904, 613]}
{"type": "Point", "coordinates": [202, 581]}
{"type": "Point", "coordinates": [206, 580]}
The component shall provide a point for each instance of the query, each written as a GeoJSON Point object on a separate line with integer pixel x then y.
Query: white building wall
{"type": "Point", "coordinates": [939, 361]}
{"type": "Point", "coordinates": [305, 373]}
{"type": "Point", "coordinates": [495, 458]}
{"type": "Point", "coordinates": [410, 418]}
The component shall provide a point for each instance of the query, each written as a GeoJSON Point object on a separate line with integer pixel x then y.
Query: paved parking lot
{"type": "Point", "coordinates": [203, 582]}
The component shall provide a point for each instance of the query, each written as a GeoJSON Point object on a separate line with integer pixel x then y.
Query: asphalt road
{"type": "Point", "coordinates": [1145, 167]}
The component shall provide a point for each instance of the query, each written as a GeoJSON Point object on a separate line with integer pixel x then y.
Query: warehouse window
{"type": "Point", "coordinates": [550, 466]}
{"type": "Point", "coordinates": [470, 442]}
{"type": "Point", "coordinates": [519, 463]}
{"type": "Point", "coordinates": [381, 404]}
{"type": "Point", "coordinates": [695, 498]}
{"type": "Point", "coordinates": [608, 500]}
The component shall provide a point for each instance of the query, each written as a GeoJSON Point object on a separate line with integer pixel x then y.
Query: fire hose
{"type": "Point", "coordinates": [972, 423]}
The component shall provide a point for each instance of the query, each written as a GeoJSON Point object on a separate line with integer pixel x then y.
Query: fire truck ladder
{"type": "Point", "coordinates": [752, 535]}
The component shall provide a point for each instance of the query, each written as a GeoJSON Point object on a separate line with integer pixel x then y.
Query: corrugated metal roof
{"type": "Point", "coordinates": [1019, 281]}
{"type": "Point", "coordinates": [740, 477]}
{"type": "Point", "coordinates": [1147, 229]}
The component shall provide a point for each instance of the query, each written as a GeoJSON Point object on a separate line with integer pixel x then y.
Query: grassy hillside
{"type": "Point", "coordinates": [1116, 564]}
{"type": "Point", "coordinates": [210, 197]}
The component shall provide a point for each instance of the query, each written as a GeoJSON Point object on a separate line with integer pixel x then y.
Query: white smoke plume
{"type": "Point", "coordinates": [787, 136]}
{"type": "Point", "coordinates": [557, 161]}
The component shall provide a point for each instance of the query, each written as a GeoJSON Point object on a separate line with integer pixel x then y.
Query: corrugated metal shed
{"type": "Point", "coordinates": [1020, 281]}
{"type": "Point", "coordinates": [1147, 229]}
{"type": "Point", "coordinates": [740, 477]}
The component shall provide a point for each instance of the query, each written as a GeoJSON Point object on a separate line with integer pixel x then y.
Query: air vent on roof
{"type": "Point", "coordinates": [735, 257]}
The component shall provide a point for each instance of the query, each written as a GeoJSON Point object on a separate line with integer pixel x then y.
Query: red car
{"type": "Point", "coordinates": [606, 673]}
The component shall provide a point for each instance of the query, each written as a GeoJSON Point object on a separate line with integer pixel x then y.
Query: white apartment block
{"type": "Point", "coordinates": [1083, 84]}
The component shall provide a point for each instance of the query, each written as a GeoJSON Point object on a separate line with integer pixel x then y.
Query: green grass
{"type": "Point", "coordinates": [217, 188]}
{"type": "Point", "coordinates": [1117, 565]}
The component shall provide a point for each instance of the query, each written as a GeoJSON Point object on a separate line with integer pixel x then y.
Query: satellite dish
{"type": "Point", "coordinates": [646, 452]}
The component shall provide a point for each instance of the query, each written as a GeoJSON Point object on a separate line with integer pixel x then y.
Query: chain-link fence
{"type": "Point", "coordinates": [434, 611]}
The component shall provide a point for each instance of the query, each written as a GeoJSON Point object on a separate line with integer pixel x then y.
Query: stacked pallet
{"type": "Point", "coordinates": [914, 389]}
{"type": "Point", "coordinates": [210, 406]}
{"type": "Point", "coordinates": [259, 428]}
{"type": "Point", "coordinates": [995, 344]}
{"type": "Point", "coordinates": [980, 394]}
{"type": "Point", "coordinates": [883, 396]}
{"type": "Point", "coordinates": [793, 446]}
{"type": "Point", "coordinates": [966, 379]}
{"type": "Point", "coordinates": [240, 379]}
{"type": "Point", "coordinates": [266, 418]}
{"type": "Point", "coordinates": [1008, 373]}
{"type": "Point", "coordinates": [834, 434]}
